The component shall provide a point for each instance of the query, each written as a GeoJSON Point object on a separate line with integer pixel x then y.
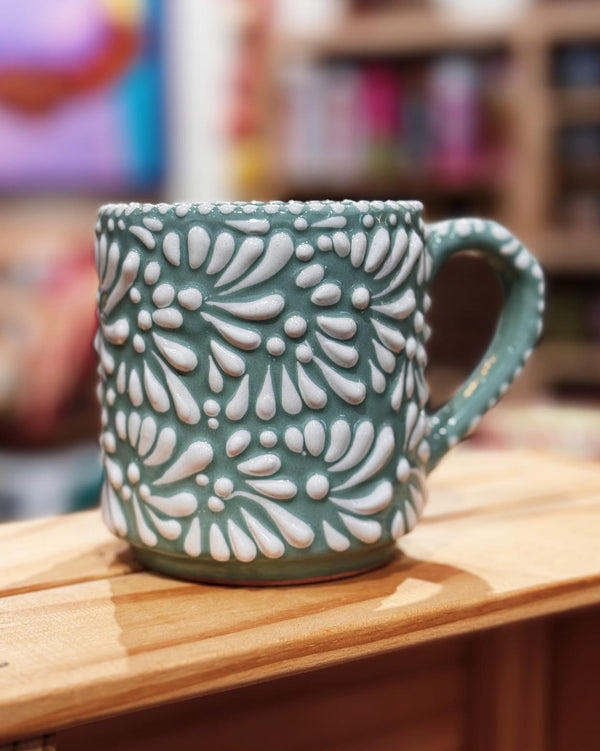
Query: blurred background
{"type": "Point", "coordinates": [485, 108]}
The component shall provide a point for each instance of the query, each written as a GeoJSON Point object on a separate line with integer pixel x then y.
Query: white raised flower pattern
{"type": "Point", "coordinates": [219, 337]}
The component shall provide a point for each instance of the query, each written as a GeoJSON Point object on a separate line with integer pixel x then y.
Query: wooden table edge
{"type": "Point", "coordinates": [505, 610]}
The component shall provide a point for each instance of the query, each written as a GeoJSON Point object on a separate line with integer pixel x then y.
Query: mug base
{"type": "Point", "coordinates": [278, 572]}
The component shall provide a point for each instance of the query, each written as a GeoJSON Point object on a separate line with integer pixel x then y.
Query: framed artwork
{"type": "Point", "coordinates": [81, 85]}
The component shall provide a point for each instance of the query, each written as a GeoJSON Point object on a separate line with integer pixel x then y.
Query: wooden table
{"type": "Point", "coordinates": [483, 635]}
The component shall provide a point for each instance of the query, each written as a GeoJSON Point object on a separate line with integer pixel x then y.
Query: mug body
{"type": "Point", "coordinates": [262, 385]}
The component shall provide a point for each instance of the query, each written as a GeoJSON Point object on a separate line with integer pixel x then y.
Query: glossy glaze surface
{"type": "Point", "coordinates": [262, 378]}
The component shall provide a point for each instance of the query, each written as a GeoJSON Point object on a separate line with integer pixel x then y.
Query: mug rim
{"type": "Point", "coordinates": [292, 207]}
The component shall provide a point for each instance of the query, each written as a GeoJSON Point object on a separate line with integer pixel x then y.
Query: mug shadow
{"type": "Point", "coordinates": [150, 611]}
{"type": "Point", "coordinates": [153, 611]}
{"type": "Point", "coordinates": [139, 612]}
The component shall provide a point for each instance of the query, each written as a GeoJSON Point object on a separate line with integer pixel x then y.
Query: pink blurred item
{"type": "Point", "coordinates": [455, 117]}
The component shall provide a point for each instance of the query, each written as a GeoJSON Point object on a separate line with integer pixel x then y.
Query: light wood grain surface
{"type": "Point", "coordinates": [85, 634]}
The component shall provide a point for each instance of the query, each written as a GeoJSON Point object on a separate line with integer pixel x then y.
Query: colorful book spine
{"type": "Point", "coordinates": [352, 124]}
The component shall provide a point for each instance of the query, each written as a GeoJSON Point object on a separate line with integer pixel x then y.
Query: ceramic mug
{"type": "Point", "coordinates": [264, 404]}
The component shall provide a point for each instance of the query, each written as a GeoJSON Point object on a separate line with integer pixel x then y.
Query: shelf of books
{"type": "Point", "coordinates": [399, 100]}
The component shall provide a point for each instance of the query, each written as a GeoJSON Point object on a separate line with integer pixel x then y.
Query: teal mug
{"type": "Point", "coordinates": [264, 403]}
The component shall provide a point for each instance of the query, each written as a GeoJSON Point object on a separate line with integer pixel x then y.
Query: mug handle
{"type": "Point", "coordinates": [518, 330]}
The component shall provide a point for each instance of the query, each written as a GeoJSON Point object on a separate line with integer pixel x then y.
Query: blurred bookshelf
{"type": "Point", "coordinates": [81, 123]}
{"type": "Point", "coordinates": [354, 108]}
{"type": "Point", "coordinates": [577, 106]}
{"type": "Point", "coordinates": [361, 110]}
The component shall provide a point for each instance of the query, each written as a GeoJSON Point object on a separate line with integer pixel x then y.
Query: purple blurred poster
{"type": "Point", "coordinates": [80, 94]}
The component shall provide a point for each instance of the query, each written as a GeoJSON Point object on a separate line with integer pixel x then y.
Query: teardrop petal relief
{"type": "Point", "coordinates": [245, 543]}
{"type": "Point", "coordinates": [294, 531]}
{"type": "Point", "coordinates": [406, 518]}
{"type": "Point", "coordinates": [337, 327]}
{"type": "Point", "coordinates": [180, 357]}
{"type": "Point", "coordinates": [148, 508]}
{"type": "Point", "coordinates": [328, 332]}
{"type": "Point", "coordinates": [335, 539]}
